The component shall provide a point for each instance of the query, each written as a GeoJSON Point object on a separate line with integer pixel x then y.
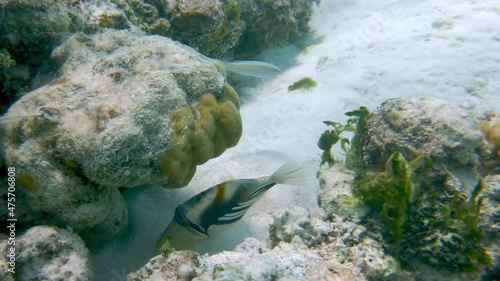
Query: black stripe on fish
{"type": "Point", "coordinates": [181, 218]}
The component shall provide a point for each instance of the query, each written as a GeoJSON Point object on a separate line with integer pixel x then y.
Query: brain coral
{"type": "Point", "coordinates": [134, 110]}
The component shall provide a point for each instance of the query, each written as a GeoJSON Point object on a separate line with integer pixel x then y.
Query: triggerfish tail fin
{"type": "Point", "coordinates": [291, 173]}
{"type": "Point", "coordinates": [253, 68]}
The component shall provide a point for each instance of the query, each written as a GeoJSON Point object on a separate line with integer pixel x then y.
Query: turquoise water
{"type": "Point", "coordinates": [114, 113]}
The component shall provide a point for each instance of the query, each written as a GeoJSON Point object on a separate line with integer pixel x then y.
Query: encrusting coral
{"type": "Point", "coordinates": [196, 140]}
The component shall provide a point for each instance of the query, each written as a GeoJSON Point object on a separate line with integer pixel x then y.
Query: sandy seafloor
{"type": "Point", "coordinates": [365, 53]}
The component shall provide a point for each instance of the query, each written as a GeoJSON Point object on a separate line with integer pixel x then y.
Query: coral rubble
{"type": "Point", "coordinates": [48, 253]}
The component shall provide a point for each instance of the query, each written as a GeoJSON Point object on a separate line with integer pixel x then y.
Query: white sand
{"type": "Point", "coordinates": [369, 53]}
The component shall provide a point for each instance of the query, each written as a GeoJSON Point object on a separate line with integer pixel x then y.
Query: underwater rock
{"type": "Point", "coordinates": [336, 240]}
{"type": "Point", "coordinates": [427, 126]}
{"type": "Point", "coordinates": [490, 222]}
{"type": "Point", "coordinates": [431, 249]}
{"type": "Point", "coordinates": [251, 260]}
{"type": "Point", "coordinates": [113, 223]}
{"type": "Point", "coordinates": [48, 253]}
{"type": "Point", "coordinates": [120, 15]}
{"type": "Point", "coordinates": [29, 34]}
{"type": "Point", "coordinates": [335, 196]}
{"type": "Point", "coordinates": [211, 27]}
{"type": "Point", "coordinates": [134, 110]}
{"type": "Point", "coordinates": [269, 23]}
{"type": "Point", "coordinates": [215, 28]}
{"type": "Point", "coordinates": [417, 182]}
{"type": "Point", "coordinates": [296, 223]}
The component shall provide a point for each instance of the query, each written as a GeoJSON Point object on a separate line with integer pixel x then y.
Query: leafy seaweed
{"type": "Point", "coordinates": [331, 137]}
{"type": "Point", "coordinates": [459, 219]}
{"type": "Point", "coordinates": [391, 192]}
{"type": "Point", "coordinates": [417, 223]}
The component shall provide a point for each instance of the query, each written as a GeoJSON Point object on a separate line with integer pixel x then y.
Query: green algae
{"type": "Point", "coordinates": [418, 224]}
{"type": "Point", "coordinates": [331, 137]}
{"type": "Point", "coordinates": [391, 192]}
{"type": "Point", "coordinates": [418, 220]}
{"type": "Point", "coordinates": [304, 83]}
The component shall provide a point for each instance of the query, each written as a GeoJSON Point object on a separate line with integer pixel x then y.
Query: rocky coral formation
{"type": "Point", "coordinates": [269, 22]}
{"type": "Point", "coordinates": [339, 201]}
{"type": "Point", "coordinates": [337, 239]}
{"type": "Point", "coordinates": [235, 28]}
{"type": "Point", "coordinates": [448, 134]}
{"type": "Point", "coordinates": [251, 260]}
{"type": "Point", "coordinates": [430, 208]}
{"type": "Point", "coordinates": [428, 255]}
{"type": "Point", "coordinates": [302, 247]}
{"type": "Point", "coordinates": [29, 34]}
{"type": "Point", "coordinates": [214, 28]}
{"type": "Point", "coordinates": [490, 223]}
{"type": "Point", "coordinates": [133, 110]}
{"type": "Point", "coordinates": [47, 253]}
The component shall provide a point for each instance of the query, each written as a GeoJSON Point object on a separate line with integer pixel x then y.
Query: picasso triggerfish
{"type": "Point", "coordinates": [217, 207]}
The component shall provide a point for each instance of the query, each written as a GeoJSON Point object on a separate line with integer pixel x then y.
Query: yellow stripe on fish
{"type": "Point", "coordinates": [221, 193]}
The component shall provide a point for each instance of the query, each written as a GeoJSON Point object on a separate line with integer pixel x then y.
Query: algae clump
{"type": "Point", "coordinates": [418, 224]}
{"type": "Point", "coordinates": [391, 192]}
{"type": "Point", "coordinates": [304, 83]}
{"type": "Point", "coordinates": [330, 137]}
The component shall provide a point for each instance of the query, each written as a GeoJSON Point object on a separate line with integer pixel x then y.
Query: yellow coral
{"type": "Point", "coordinates": [495, 136]}
{"type": "Point", "coordinates": [492, 132]}
{"type": "Point", "coordinates": [231, 95]}
{"type": "Point", "coordinates": [200, 133]}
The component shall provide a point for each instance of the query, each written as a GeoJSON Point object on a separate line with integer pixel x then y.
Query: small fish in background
{"type": "Point", "coordinates": [258, 69]}
{"type": "Point", "coordinates": [47, 113]}
{"type": "Point", "coordinates": [252, 68]}
{"type": "Point", "coordinates": [216, 208]}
